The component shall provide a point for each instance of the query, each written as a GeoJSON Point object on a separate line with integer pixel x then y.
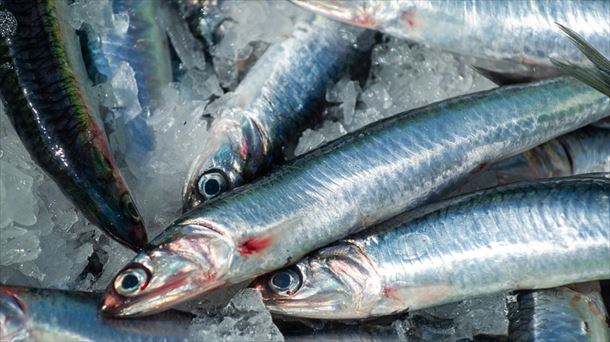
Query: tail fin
{"type": "Point", "coordinates": [598, 76]}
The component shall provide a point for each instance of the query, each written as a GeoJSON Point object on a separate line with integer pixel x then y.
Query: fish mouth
{"type": "Point", "coordinates": [172, 274]}
{"type": "Point", "coordinates": [160, 299]}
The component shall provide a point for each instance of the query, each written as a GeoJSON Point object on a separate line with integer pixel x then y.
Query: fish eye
{"type": "Point", "coordinates": [131, 281]}
{"type": "Point", "coordinates": [285, 282]}
{"type": "Point", "coordinates": [212, 184]}
{"type": "Point", "coordinates": [129, 208]}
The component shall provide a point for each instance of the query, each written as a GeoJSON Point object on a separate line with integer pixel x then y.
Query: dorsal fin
{"type": "Point", "coordinates": [598, 76]}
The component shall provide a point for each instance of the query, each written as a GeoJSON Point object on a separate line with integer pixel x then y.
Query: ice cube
{"type": "Point", "coordinates": [24, 246]}
{"type": "Point", "coordinates": [125, 89]}
{"type": "Point", "coordinates": [483, 316]}
{"type": "Point", "coordinates": [245, 318]}
{"type": "Point", "coordinates": [17, 201]}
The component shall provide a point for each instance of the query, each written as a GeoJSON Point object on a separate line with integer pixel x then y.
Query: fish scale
{"type": "Point", "coordinates": [48, 107]}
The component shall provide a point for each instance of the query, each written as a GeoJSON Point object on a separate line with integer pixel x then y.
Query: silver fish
{"type": "Point", "coordinates": [570, 313]}
{"type": "Point", "coordinates": [528, 235]}
{"type": "Point", "coordinates": [270, 107]}
{"type": "Point", "coordinates": [350, 184]}
{"type": "Point", "coordinates": [521, 31]}
{"type": "Point", "coordinates": [28, 314]}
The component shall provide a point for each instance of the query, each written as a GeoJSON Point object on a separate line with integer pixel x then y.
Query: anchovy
{"type": "Point", "coordinates": [28, 314]}
{"type": "Point", "coordinates": [571, 313]}
{"type": "Point", "coordinates": [357, 181]}
{"type": "Point", "coordinates": [528, 235]}
{"type": "Point", "coordinates": [521, 31]}
{"type": "Point", "coordinates": [269, 108]}
{"type": "Point", "coordinates": [50, 111]}
{"type": "Point", "coordinates": [586, 150]}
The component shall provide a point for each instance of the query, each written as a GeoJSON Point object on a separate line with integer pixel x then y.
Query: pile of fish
{"type": "Point", "coordinates": [503, 192]}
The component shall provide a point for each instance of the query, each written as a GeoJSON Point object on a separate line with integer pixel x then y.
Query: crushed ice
{"type": "Point", "coordinates": [46, 242]}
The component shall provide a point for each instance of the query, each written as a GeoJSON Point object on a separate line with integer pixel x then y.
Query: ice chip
{"type": "Point", "coordinates": [126, 91]}
{"type": "Point", "coordinates": [245, 318]}
{"type": "Point", "coordinates": [24, 246]}
{"type": "Point", "coordinates": [8, 24]}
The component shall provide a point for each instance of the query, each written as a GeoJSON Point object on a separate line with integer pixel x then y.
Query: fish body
{"type": "Point", "coordinates": [28, 314]}
{"type": "Point", "coordinates": [357, 181]}
{"type": "Point", "coordinates": [270, 108]}
{"type": "Point", "coordinates": [521, 31]}
{"type": "Point", "coordinates": [49, 108]}
{"type": "Point", "coordinates": [528, 235]}
{"type": "Point", "coordinates": [569, 313]}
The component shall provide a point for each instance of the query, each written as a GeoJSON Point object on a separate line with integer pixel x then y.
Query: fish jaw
{"type": "Point", "coordinates": [335, 283]}
{"type": "Point", "coordinates": [188, 261]}
{"type": "Point", "coordinates": [227, 156]}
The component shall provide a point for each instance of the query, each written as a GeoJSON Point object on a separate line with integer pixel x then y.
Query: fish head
{"type": "Point", "coordinates": [226, 162]}
{"type": "Point", "coordinates": [13, 315]}
{"type": "Point", "coordinates": [122, 220]}
{"type": "Point", "coordinates": [333, 283]}
{"type": "Point", "coordinates": [182, 263]}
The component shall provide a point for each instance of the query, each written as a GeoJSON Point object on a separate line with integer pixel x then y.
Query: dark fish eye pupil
{"type": "Point", "coordinates": [130, 281]}
{"type": "Point", "coordinates": [212, 186]}
{"type": "Point", "coordinates": [282, 280]}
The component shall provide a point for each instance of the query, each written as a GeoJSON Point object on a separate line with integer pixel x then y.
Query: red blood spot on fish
{"type": "Point", "coordinates": [365, 20]}
{"type": "Point", "coordinates": [243, 150]}
{"type": "Point", "coordinates": [254, 245]}
{"type": "Point", "coordinates": [391, 293]}
{"type": "Point", "coordinates": [409, 18]}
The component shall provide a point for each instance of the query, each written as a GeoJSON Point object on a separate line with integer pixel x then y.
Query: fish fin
{"type": "Point", "coordinates": [597, 76]}
{"type": "Point", "coordinates": [503, 78]}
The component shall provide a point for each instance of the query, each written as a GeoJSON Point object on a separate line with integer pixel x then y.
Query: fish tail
{"type": "Point", "coordinates": [597, 76]}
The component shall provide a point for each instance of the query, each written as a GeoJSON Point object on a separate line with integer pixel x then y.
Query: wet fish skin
{"type": "Point", "coordinates": [28, 314]}
{"type": "Point", "coordinates": [49, 109]}
{"type": "Point", "coordinates": [522, 31]}
{"type": "Point", "coordinates": [362, 179]}
{"type": "Point", "coordinates": [530, 235]}
{"type": "Point", "coordinates": [569, 313]}
{"type": "Point", "coordinates": [269, 108]}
